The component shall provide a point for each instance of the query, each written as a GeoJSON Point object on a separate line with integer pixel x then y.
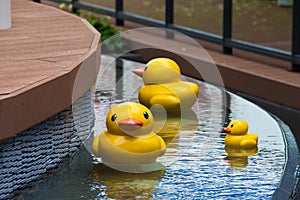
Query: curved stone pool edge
{"type": "Point", "coordinates": [289, 185]}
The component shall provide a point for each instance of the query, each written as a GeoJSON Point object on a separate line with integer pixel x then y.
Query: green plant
{"type": "Point", "coordinates": [103, 24]}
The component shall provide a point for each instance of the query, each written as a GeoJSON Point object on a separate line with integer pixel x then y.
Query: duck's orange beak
{"type": "Point", "coordinates": [139, 71]}
{"type": "Point", "coordinates": [227, 130]}
{"type": "Point", "coordinates": [130, 124]}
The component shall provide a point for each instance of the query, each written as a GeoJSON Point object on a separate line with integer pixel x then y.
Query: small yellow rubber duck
{"type": "Point", "coordinates": [164, 87]}
{"type": "Point", "coordinates": [129, 139]}
{"type": "Point", "coordinates": [237, 135]}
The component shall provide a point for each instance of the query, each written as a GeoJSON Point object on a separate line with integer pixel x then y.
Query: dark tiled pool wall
{"type": "Point", "coordinates": [289, 187]}
{"type": "Point", "coordinates": [29, 156]}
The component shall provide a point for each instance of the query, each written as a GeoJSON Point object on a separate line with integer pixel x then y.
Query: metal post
{"type": "Point", "coordinates": [119, 76]}
{"type": "Point", "coordinates": [74, 9]}
{"type": "Point", "coordinates": [169, 16]}
{"type": "Point", "coordinates": [119, 8]}
{"type": "Point", "coordinates": [227, 24]}
{"type": "Point", "coordinates": [296, 34]}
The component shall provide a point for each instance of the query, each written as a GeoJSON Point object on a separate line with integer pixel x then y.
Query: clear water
{"type": "Point", "coordinates": [197, 164]}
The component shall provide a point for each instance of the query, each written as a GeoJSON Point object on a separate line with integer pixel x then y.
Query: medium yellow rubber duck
{"type": "Point", "coordinates": [164, 87]}
{"type": "Point", "coordinates": [129, 139]}
{"type": "Point", "coordinates": [237, 135]}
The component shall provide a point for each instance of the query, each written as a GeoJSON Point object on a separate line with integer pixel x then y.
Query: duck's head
{"type": "Point", "coordinates": [237, 127]}
{"type": "Point", "coordinates": [160, 71]}
{"type": "Point", "coordinates": [129, 118]}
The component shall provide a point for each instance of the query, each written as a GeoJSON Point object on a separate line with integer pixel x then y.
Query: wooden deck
{"type": "Point", "coordinates": [40, 58]}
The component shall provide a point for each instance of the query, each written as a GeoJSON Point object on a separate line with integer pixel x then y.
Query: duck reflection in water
{"type": "Point", "coordinates": [115, 184]}
{"type": "Point", "coordinates": [238, 157]}
{"type": "Point", "coordinates": [168, 125]}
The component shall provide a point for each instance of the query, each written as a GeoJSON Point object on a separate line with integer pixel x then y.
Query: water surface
{"type": "Point", "coordinates": [197, 164]}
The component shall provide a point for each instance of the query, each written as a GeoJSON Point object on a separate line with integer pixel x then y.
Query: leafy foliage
{"type": "Point", "coordinates": [103, 24]}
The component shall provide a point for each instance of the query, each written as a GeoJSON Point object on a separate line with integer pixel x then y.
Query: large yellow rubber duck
{"type": "Point", "coordinates": [163, 86]}
{"type": "Point", "coordinates": [129, 140]}
{"type": "Point", "coordinates": [237, 135]}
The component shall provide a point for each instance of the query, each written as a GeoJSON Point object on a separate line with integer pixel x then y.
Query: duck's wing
{"type": "Point", "coordinates": [249, 142]}
{"type": "Point", "coordinates": [96, 144]}
{"type": "Point", "coordinates": [167, 101]}
{"type": "Point", "coordinates": [163, 146]}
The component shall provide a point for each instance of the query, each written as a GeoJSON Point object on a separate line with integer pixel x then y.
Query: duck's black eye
{"type": "Point", "coordinates": [232, 125]}
{"type": "Point", "coordinates": [114, 117]}
{"type": "Point", "coordinates": [145, 68]}
{"type": "Point", "coordinates": [146, 115]}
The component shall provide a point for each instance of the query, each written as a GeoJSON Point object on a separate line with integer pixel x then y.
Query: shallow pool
{"type": "Point", "coordinates": [197, 164]}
